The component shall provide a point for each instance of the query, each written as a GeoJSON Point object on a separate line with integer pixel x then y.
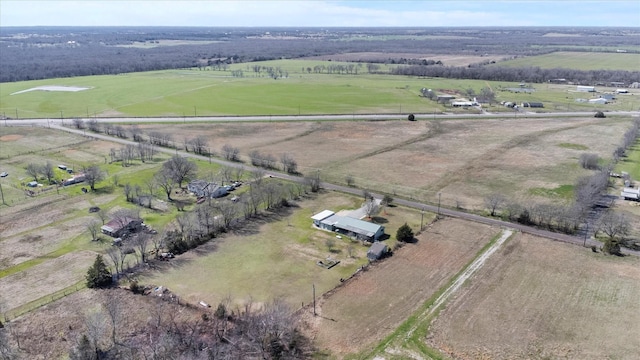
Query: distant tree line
{"type": "Point", "coordinates": [526, 74]}
{"type": "Point", "coordinates": [65, 52]}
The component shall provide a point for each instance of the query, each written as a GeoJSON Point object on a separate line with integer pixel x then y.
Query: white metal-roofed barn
{"type": "Point", "coordinates": [356, 228]}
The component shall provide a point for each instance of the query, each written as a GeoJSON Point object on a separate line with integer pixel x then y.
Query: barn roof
{"type": "Point", "coordinates": [322, 215]}
{"type": "Point", "coordinates": [355, 225]}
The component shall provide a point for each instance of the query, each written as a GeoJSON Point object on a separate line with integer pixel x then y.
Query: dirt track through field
{"type": "Point", "coordinates": [475, 265]}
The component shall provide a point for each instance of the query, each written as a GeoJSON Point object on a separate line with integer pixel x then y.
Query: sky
{"type": "Point", "coordinates": [315, 13]}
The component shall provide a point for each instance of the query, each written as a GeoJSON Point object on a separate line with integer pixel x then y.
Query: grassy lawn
{"type": "Point", "coordinates": [274, 257]}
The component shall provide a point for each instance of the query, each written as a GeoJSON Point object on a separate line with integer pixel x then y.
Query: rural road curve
{"type": "Point", "coordinates": [354, 191]}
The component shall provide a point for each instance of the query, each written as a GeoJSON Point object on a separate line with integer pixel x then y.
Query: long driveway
{"type": "Point", "coordinates": [354, 191]}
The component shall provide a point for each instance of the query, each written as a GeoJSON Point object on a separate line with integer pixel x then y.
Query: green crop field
{"type": "Point", "coordinates": [579, 61]}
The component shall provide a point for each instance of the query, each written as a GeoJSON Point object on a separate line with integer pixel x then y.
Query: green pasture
{"type": "Point", "coordinates": [193, 92]}
{"type": "Point", "coordinates": [578, 61]}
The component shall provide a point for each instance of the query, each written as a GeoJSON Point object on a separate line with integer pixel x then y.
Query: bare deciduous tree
{"type": "Point", "coordinates": [48, 172]}
{"type": "Point", "coordinates": [198, 145]}
{"type": "Point", "coordinates": [257, 175]}
{"type": "Point", "coordinates": [289, 164]}
{"type": "Point", "coordinates": [33, 170]}
{"type": "Point", "coordinates": [226, 174]}
{"type": "Point", "coordinates": [230, 153]}
{"type": "Point", "coordinates": [371, 207]}
{"type": "Point", "coordinates": [179, 169]}
{"type": "Point", "coordinates": [141, 243]}
{"type": "Point", "coordinates": [92, 175]}
{"type": "Point", "coordinates": [164, 180]}
{"type": "Point", "coordinates": [118, 257]}
{"type": "Point", "coordinates": [94, 229]}
{"type": "Point", "coordinates": [228, 210]}
{"type": "Point", "coordinates": [614, 224]}
{"type": "Point", "coordinates": [313, 181]}
{"type": "Point", "coordinates": [590, 161]}
{"type": "Point", "coordinates": [494, 202]}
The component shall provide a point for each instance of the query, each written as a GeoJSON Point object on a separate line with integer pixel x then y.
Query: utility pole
{"type": "Point", "coordinates": [314, 300]}
{"type": "Point", "coordinates": [439, 195]}
{"type": "Point", "coordinates": [422, 219]}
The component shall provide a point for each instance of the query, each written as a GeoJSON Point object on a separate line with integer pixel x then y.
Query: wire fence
{"type": "Point", "coordinates": [45, 300]}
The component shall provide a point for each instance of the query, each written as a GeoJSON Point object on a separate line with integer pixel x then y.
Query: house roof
{"type": "Point", "coordinates": [117, 224]}
{"type": "Point", "coordinates": [355, 225]}
{"type": "Point", "coordinates": [322, 215]}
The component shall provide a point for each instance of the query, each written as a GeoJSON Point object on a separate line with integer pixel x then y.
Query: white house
{"type": "Point", "coordinates": [630, 194]}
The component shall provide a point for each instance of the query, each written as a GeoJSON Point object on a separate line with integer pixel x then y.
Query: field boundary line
{"type": "Point", "coordinates": [42, 301]}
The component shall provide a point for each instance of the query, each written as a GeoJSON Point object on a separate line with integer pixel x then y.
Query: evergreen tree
{"type": "Point", "coordinates": [404, 233]}
{"type": "Point", "coordinates": [98, 275]}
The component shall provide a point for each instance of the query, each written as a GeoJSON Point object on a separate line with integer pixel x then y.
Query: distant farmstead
{"type": "Point", "coordinates": [355, 228]}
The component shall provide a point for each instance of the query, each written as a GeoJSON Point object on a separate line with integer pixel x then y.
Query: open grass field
{"type": "Point", "coordinates": [356, 316]}
{"type": "Point", "coordinates": [274, 257]}
{"type": "Point", "coordinates": [189, 92]}
{"type": "Point", "coordinates": [579, 61]}
{"type": "Point", "coordinates": [542, 299]}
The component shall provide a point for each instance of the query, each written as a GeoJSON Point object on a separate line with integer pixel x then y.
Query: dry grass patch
{"type": "Point", "coordinates": [541, 299]}
{"type": "Point", "coordinates": [42, 241]}
{"type": "Point", "coordinates": [464, 160]}
{"type": "Point", "coordinates": [46, 278]}
{"type": "Point", "coordinates": [357, 315]}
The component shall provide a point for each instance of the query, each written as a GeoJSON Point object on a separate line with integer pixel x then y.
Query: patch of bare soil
{"type": "Point", "coordinates": [364, 309]}
{"type": "Point", "coordinates": [541, 299]}
{"type": "Point", "coordinates": [12, 137]}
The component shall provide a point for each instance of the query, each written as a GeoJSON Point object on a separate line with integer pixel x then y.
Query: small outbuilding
{"type": "Point", "coordinates": [377, 251]}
